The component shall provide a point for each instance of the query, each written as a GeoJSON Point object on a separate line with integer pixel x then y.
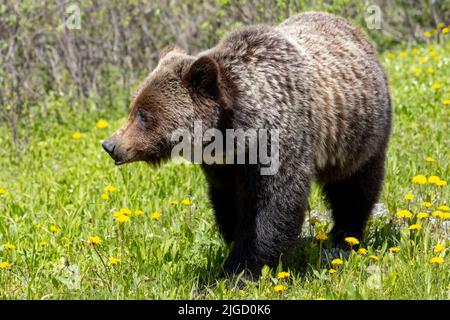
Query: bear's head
{"type": "Point", "coordinates": [181, 90]}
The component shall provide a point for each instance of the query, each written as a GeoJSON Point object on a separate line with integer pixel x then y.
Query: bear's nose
{"type": "Point", "coordinates": [109, 145]}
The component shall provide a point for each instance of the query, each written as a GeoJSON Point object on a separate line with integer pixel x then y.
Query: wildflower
{"type": "Point", "coordinates": [444, 208]}
{"type": "Point", "coordinates": [102, 124]}
{"type": "Point", "coordinates": [43, 243]}
{"type": "Point", "coordinates": [320, 298]}
{"type": "Point", "coordinates": [279, 288]}
{"type": "Point", "coordinates": [5, 265]}
{"type": "Point", "coordinates": [173, 202]}
{"type": "Point", "coordinates": [331, 271]}
{"type": "Point", "coordinates": [337, 262]}
{"type": "Point", "coordinates": [436, 86]}
{"type": "Point", "coordinates": [438, 248]}
{"type": "Point", "coordinates": [283, 274]}
{"type": "Point", "coordinates": [437, 58]}
{"type": "Point", "coordinates": [394, 250]}
{"type": "Point", "coordinates": [391, 55]}
{"type": "Point", "coordinates": [2, 191]}
{"type": "Point", "coordinates": [416, 71]}
{"type": "Point", "coordinates": [404, 214]}
{"type": "Point", "coordinates": [352, 241]}
{"type": "Point", "coordinates": [76, 135]}
{"type": "Point", "coordinates": [186, 202]}
{"type": "Point", "coordinates": [155, 216]}
{"type": "Point", "coordinates": [432, 53]}
{"type": "Point", "coordinates": [446, 101]}
{"type": "Point", "coordinates": [445, 31]}
{"type": "Point", "coordinates": [110, 188]}
{"type": "Point", "coordinates": [430, 70]}
{"type": "Point", "coordinates": [104, 196]}
{"type": "Point", "coordinates": [422, 215]}
{"type": "Point", "coordinates": [446, 215]}
{"type": "Point", "coordinates": [427, 34]}
{"type": "Point", "coordinates": [9, 246]}
{"type": "Point", "coordinates": [54, 229]}
{"type": "Point", "coordinates": [437, 260]}
{"type": "Point", "coordinates": [441, 25]}
{"type": "Point", "coordinates": [121, 218]}
{"type": "Point", "coordinates": [419, 179]}
{"type": "Point", "coordinates": [138, 212]}
{"type": "Point", "coordinates": [373, 258]}
{"type": "Point", "coordinates": [409, 196]}
{"type": "Point", "coordinates": [403, 54]}
{"type": "Point", "coordinates": [426, 204]}
{"type": "Point", "coordinates": [113, 261]}
{"type": "Point", "coordinates": [415, 50]}
{"type": "Point", "coordinates": [433, 179]}
{"type": "Point", "coordinates": [441, 183]}
{"type": "Point", "coordinates": [422, 60]}
{"type": "Point", "coordinates": [125, 211]}
{"type": "Point", "coordinates": [321, 236]}
{"type": "Point", "coordinates": [362, 251]}
{"type": "Point", "coordinates": [93, 241]}
{"type": "Point", "coordinates": [415, 226]}
{"type": "Point", "coordinates": [438, 214]}
{"type": "Point", "coordinates": [313, 221]}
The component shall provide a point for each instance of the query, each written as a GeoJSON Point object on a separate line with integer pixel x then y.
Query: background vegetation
{"type": "Point", "coordinates": [65, 230]}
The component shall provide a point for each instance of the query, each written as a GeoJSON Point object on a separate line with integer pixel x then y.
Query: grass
{"type": "Point", "coordinates": [59, 182]}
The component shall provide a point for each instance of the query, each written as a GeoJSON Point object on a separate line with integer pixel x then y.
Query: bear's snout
{"type": "Point", "coordinates": [110, 146]}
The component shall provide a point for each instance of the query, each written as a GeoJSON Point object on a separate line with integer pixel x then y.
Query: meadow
{"type": "Point", "coordinates": [74, 226]}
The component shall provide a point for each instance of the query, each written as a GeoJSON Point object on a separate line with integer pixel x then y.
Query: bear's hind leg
{"type": "Point", "coordinates": [353, 198]}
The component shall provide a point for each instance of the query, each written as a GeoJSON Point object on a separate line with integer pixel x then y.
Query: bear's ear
{"type": "Point", "coordinates": [203, 77]}
{"type": "Point", "coordinates": [167, 49]}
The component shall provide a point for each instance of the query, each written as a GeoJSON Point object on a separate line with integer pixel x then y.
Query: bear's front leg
{"type": "Point", "coordinates": [271, 210]}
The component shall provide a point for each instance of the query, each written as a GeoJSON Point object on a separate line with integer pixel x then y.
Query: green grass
{"type": "Point", "coordinates": [59, 181]}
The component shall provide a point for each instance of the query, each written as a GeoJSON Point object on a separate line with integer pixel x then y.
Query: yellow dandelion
{"type": "Point", "coordinates": [173, 202]}
{"type": "Point", "coordinates": [433, 179]}
{"type": "Point", "coordinates": [422, 60]}
{"type": "Point", "coordinates": [445, 31]}
{"type": "Point", "coordinates": [283, 275]}
{"type": "Point", "coordinates": [337, 262]}
{"type": "Point", "coordinates": [155, 216]}
{"type": "Point", "coordinates": [394, 249]}
{"type": "Point", "coordinates": [426, 204]}
{"type": "Point", "coordinates": [432, 53]}
{"type": "Point", "coordinates": [438, 248]}
{"type": "Point", "coordinates": [446, 101]}
{"type": "Point", "coordinates": [404, 214]}
{"type": "Point", "coordinates": [409, 196]}
{"type": "Point", "coordinates": [126, 211]}
{"type": "Point", "coordinates": [2, 191]}
{"type": "Point", "coordinates": [422, 215]}
{"type": "Point", "coordinates": [441, 183]}
{"type": "Point", "coordinates": [5, 265]}
{"type": "Point", "coordinates": [419, 179]}
{"type": "Point", "coordinates": [102, 124]}
{"type": "Point", "coordinates": [403, 54]}
{"type": "Point", "coordinates": [416, 71]}
{"type": "Point", "coordinates": [113, 261]}
{"type": "Point", "coordinates": [122, 218]}
{"type": "Point", "coordinates": [427, 34]}
{"type": "Point", "coordinates": [430, 70]}
{"type": "Point", "coordinates": [362, 251]}
{"type": "Point", "coordinates": [43, 243]}
{"type": "Point", "coordinates": [351, 241]}
{"type": "Point", "coordinates": [446, 215]}
{"type": "Point", "coordinates": [186, 202]}
{"type": "Point", "coordinates": [444, 208]}
{"type": "Point", "coordinates": [76, 135]}
{"type": "Point", "coordinates": [331, 271]}
{"type": "Point", "coordinates": [441, 25]}
{"type": "Point", "coordinates": [415, 50]}
{"type": "Point", "coordinates": [110, 188]}
{"type": "Point", "coordinates": [437, 58]}
{"type": "Point", "coordinates": [437, 260]}
{"type": "Point", "coordinates": [430, 159]}
{"type": "Point", "coordinates": [391, 55]}
{"type": "Point", "coordinates": [9, 246]}
{"type": "Point", "coordinates": [104, 196]}
{"type": "Point", "coordinates": [54, 229]}
{"type": "Point", "coordinates": [117, 213]}
{"type": "Point", "coordinates": [438, 214]}
{"type": "Point", "coordinates": [436, 86]}
{"type": "Point", "coordinates": [313, 221]}
{"type": "Point", "coordinates": [321, 236]}
{"type": "Point", "coordinates": [279, 288]}
{"type": "Point", "coordinates": [415, 226]}
{"type": "Point", "coordinates": [138, 212]}
{"type": "Point", "coordinates": [374, 258]}
{"type": "Point", "coordinates": [93, 241]}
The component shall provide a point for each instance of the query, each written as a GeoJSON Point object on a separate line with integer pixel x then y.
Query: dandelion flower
{"type": "Point", "coordinates": [419, 179]}
{"type": "Point", "coordinates": [438, 248]}
{"type": "Point", "coordinates": [437, 260]}
{"type": "Point", "coordinates": [125, 211]}
{"type": "Point", "coordinates": [430, 70]}
{"type": "Point", "coordinates": [76, 135]}
{"type": "Point", "coordinates": [102, 124]}
{"type": "Point", "coordinates": [173, 202]}
{"type": "Point", "coordinates": [104, 196]}
{"type": "Point", "coordinates": [283, 275]}
{"type": "Point", "coordinates": [374, 258]}
{"type": "Point", "coordinates": [331, 271]}
{"type": "Point", "coordinates": [122, 218]}
{"type": "Point", "coordinates": [422, 60]}
{"type": "Point", "coordinates": [436, 86]}
{"type": "Point", "coordinates": [5, 265]}
{"type": "Point", "coordinates": [415, 226]}
{"type": "Point", "coordinates": [2, 191]}
{"type": "Point", "coordinates": [54, 229]}
{"type": "Point", "coordinates": [362, 251]}
{"type": "Point", "coordinates": [110, 188]}
{"type": "Point", "coordinates": [426, 204]}
{"type": "Point", "coordinates": [138, 212]}
{"type": "Point", "coordinates": [352, 241]}
{"type": "Point", "coordinates": [186, 202]}
{"type": "Point", "coordinates": [422, 215]}
{"type": "Point", "coordinates": [394, 250]}
{"type": "Point", "coordinates": [93, 241]}
{"type": "Point", "coordinates": [403, 54]}
{"type": "Point", "coordinates": [337, 262]}
{"type": "Point", "coordinates": [441, 25]}
{"type": "Point", "coordinates": [445, 31]}
{"type": "Point", "coordinates": [9, 246]}
{"type": "Point", "coordinates": [279, 288]}
{"type": "Point", "coordinates": [432, 53]}
{"type": "Point", "coordinates": [438, 214]}
{"type": "Point", "coordinates": [321, 236]}
{"type": "Point", "coordinates": [446, 101]}
{"type": "Point", "coordinates": [433, 179]}
{"type": "Point", "coordinates": [113, 261]}
{"type": "Point", "coordinates": [43, 243]}
{"type": "Point", "coordinates": [437, 58]}
{"type": "Point", "coordinates": [155, 216]}
{"type": "Point", "coordinates": [444, 208]}
{"type": "Point", "coordinates": [441, 183]}
{"type": "Point", "coordinates": [404, 214]}
{"type": "Point", "coordinates": [427, 34]}
{"type": "Point", "coordinates": [416, 71]}
{"type": "Point", "coordinates": [391, 55]}
{"type": "Point", "coordinates": [409, 196]}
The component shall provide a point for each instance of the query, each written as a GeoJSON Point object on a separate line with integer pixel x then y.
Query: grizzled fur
{"type": "Point", "coordinates": [318, 81]}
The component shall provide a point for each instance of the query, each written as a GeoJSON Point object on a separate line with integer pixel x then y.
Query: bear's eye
{"type": "Point", "coordinates": [141, 115]}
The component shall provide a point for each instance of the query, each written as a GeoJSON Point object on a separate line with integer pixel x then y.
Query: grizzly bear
{"type": "Point", "coordinates": [315, 79]}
